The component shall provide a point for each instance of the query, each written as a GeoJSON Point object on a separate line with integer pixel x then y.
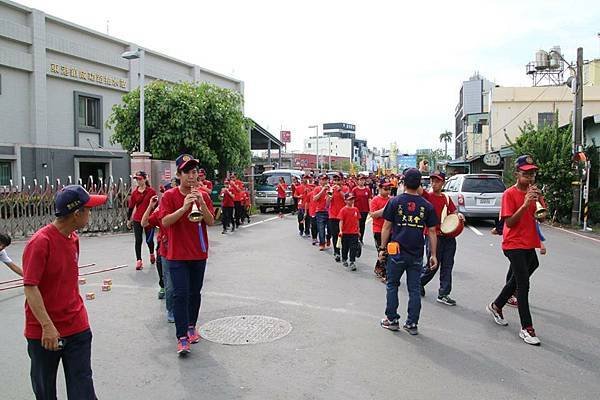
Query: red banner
{"type": "Point", "coordinates": [285, 136]}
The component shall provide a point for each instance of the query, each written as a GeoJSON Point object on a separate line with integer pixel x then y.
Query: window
{"type": "Point", "coordinates": [545, 119]}
{"type": "Point", "coordinates": [483, 185]}
{"type": "Point", "coordinates": [308, 145]}
{"type": "Point", "coordinates": [88, 112]}
{"type": "Point", "coordinates": [88, 118]}
{"type": "Point", "coordinates": [5, 173]}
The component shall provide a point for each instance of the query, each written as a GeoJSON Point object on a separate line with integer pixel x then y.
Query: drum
{"type": "Point", "coordinates": [452, 226]}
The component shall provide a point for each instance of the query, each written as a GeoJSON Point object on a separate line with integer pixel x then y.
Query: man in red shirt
{"type": "Point", "coordinates": [227, 205]}
{"type": "Point", "coordinates": [335, 202]}
{"type": "Point", "coordinates": [349, 218]}
{"type": "Point", "coordinates": [520, 239]}
{"type": "Point", "coordinates": [56, 321]}
{"type": "Point", "coordinates": [281, 195]}
{"type": "Point", "coordinates": [298, 194]}
{"type": "Point", "coordinates": [238, 196]}
{"type": "Point", "coordinates": [321, 214]}
{"type": "Point", "coordinates": [446, 246]}
{"type": "Point", "coordinates": [363, 197]}
{"type": "Point", "coordinates": [377, 206]}
{"type": "Point", "coordinates": [204, 183]}
{"type": "Point", "coordinates": [188, 248]}
{"type": "Point", "coordinates": [308, 206]}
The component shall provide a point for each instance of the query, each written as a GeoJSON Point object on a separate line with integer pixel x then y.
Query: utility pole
{"type": "Point", "coordinates": [577, 135]}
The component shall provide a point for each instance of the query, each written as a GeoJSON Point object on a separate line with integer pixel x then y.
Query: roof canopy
{"type": "Point", "coordinates": [261, 139]}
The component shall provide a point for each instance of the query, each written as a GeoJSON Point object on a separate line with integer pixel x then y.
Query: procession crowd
{"type": "Point", "coordinates": [407, 223]}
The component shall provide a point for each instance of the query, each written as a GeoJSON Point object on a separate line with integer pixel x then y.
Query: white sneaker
{"type": "Point", "coordinates": [529, 337]}
{"type": "Point", "coordinates": [498, 317]}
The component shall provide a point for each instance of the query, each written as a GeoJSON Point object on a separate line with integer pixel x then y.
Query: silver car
{"type": "Point", "coordinates": [266, 188]}
{"type": "Point", "coordinates": [476, 195]}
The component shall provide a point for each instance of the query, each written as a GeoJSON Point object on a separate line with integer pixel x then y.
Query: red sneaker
{"type": "Point", "coordinates": [193, 335]}
{"type": "Point", "coordinates": [152, 258]}
{"type": "Point", "coordinates": [183, 346]}
{"type": "Point", "coordinates": [139, 265]}
{"type": "Point", "coordinates": [512, 301]}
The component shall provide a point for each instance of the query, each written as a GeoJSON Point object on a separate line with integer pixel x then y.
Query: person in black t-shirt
{"type": "Point", "coordinates": [406, 217]}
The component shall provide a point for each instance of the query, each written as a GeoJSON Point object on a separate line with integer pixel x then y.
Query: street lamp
{"type": "Point", "coordinates": [133, 55]}
{"type": "Point", "coordinates": [317, 128]}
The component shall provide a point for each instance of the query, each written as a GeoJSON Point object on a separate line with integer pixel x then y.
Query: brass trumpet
{"type": "Point", "coordinates": [196, 214]}
{"type": "Point", "coordinates": [540, 211]}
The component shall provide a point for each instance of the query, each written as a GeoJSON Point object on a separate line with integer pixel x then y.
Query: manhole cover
{"type": "Point", "coordinates": [245, 329]}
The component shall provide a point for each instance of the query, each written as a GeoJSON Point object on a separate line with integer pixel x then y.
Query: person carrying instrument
{"type": "Point", "coordinates": [520, 205]}
{"type": "Point", "coordinates": [281, 194]}
{"type": "Point", "coordinates": [227, 205]}
{"type": "Point", "coordinates": [377, 206]}
{"type": "Point", "coordinates": [185, 213]}
{"type": "Point", "coordinates": [446, 245]}
{"type": "Point", "coordinates": [335, 202]}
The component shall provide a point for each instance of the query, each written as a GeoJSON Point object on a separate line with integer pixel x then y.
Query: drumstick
{"type": "Point", "coordinates": [20, 279]}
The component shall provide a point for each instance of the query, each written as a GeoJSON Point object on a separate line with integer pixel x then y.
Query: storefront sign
{"type": "Point", "coordinates": [491, 159]}
{"type": "Point", "coordinates": [88, 76]}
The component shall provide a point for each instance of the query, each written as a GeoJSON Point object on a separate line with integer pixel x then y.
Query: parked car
{"type": "Point", "coordinates": [266, 188]}
{"type": "Point", "coordinates": [476, 195]}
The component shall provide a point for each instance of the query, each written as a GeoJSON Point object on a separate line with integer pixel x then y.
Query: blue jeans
{"type": "Point", "coordinates": [446, 249]}
{"type": "Point", "coordinates": [76, 359]}
{"type": "Point", "coordinates": [187, 278]}
{"type": "Point", "coordinates": [168, 284]}
{"type": "Point", "coordinates": [396, 265]}
{"type": "Point", "coordinates": [322, 218]}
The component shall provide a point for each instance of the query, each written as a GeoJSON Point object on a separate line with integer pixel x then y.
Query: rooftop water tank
{"type": "Point", "coordinates": [555, 58]}
{"type": "Point", "coordinates": [541, 60]}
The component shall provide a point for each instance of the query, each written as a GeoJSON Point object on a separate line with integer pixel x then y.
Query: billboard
{"type": "Point", "coordinates": [285, 136]}
{"type": "Point", "coordinates": [406, 161]}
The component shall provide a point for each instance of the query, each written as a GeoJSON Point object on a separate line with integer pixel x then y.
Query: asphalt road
{"type": "Point", "coordinates": [336, 349]}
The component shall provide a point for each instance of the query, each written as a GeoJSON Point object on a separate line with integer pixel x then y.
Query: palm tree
{"type": "Point", "coordinates": [446, 137]}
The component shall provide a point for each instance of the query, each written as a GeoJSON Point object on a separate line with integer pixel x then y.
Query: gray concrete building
{"type": "Point", "coordinates": [58, 84]}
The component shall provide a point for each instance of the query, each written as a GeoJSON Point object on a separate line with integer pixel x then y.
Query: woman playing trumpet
{"type": "Point", "coordinates": [188, 247]}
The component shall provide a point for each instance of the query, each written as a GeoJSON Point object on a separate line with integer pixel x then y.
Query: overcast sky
{"type": "Point", "coordinates": [392, 68]}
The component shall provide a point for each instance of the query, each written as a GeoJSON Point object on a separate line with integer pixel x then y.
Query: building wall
{"type": "Point", "coordinates": [591, 73]}
{"type": "Point", "coordinates": [44, 61]}
{"type": "Point", "coordinates": [512, 107]}
{"type": "Point", "coordinates": [339, 147]}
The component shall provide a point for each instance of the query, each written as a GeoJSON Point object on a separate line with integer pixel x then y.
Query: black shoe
{"type": "Point", "coordinates": [224, 231]}
{"type": "Point", "coordinates": [422, 291]}
{"type": "Point", "coordinates": [338, 258]}
{"type": "Point", "coordinates": [447, 300]}
{"type": "Point", "coordinates": [411, 328]}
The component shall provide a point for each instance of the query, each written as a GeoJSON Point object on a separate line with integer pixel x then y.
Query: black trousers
{"type": "Point", "coordinates": [334, 230]}
{"type": "Point", "coordinates": [307, 223]}
{"type": "Point", "coordinates": [227, 217]}
{"type": "Point", "coordinates": [159, 269]}
{"type": "Point", "coordinates": [239, 209]}
{"type": "Point", "coordinates": [301, 220]}
{"type": "Point", "coordinates": [280, 208]}
{"type": "Point", "coordinates": [76, 359]}
{"type": "Point", "coordinates": [138, 232]}
{"type": "Point", "coordinates": [295, 206]}
{"type": "Point", "coordinates": [313, 227]}
{"type": "Point", "coordinates": [363, 222]}
{"type": "Point", "coordinates": [349, 245]}
{"type": "Point", "coordinates": [523, 262]}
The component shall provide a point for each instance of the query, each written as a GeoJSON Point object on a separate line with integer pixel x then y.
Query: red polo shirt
{"type": "Point", "coordinates": [350, 217]}
{"type": "Point", "coordinates": [362, 198]}
{"type": "Point", "coordinates": [337, 201]}
{"type": "Point", "coordinates": [524, 234]}
{"type": "Point", "coordinates": [321, 203]}
{"type": "Point", "coordinates": [187, 240]}
{"type": "Point", "coordinates": [50, 262]}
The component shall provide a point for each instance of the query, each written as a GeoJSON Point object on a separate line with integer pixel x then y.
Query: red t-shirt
{"type": "Point", "coordinates": [350, 217]}
{"type": "Point", "coordinates": [298, 190]}
{"type": "Point", "coordinates": [309, 202]}
{"type": "Point", "coordinates": [50, 262]}
{"type": "Point", "coordinates": [281, 188]}
{"type": "Point", "coordinates": [227, 197]}
{"type": "Point", "coordinates": [208, 184]}
{"type": "Point", "coordinates": [239, 193]}
{"type": "Point", "coordinates": [337, 201]}
{"type": "Point", "coordinates": [161, 237]}
{"type": "Point", "coordinates": [524, 234]}
{"type": "Point", "coordinates": [438, 202]}
{"type": "Point", "coordinates": [141, 201]}
{"type": "Point", "coordinates": [362, 198]}
{"type": "Point", "coordinates": [321, 203]}
{"type": "Point", "coordinates": [186, 240]}
{"type": "Point", "coordinates": [377, 204]}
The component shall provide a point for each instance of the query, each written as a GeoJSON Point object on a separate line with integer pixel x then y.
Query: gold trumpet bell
{"type": "Point", "coordinates": [540, 211]}
{"type": "Point", "coordinates": [195, 215]}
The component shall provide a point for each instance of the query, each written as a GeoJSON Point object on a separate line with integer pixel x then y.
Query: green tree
{"type": "Point", "coordinates": [550, 147]}
{"type": "Point", "coordinates": [202, 119]}
{"type": "Point", "coordinates": [446, 137]}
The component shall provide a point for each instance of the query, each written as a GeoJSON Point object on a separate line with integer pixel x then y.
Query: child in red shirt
{"type": "Point", "coordinates": [281, 189]}
{"type": "Point", "coordinates": [520, 239]}
{"type": "Point", "coordinates": [349, 217]}
{"type": "Point", "coordinates": [227, 205]}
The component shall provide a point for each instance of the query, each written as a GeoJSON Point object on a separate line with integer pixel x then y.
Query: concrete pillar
{"type": "Point", "coordinates": [39, 121]}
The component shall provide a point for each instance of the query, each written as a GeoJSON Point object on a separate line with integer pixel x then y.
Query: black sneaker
{"type": "Point", "coordinates": [422, 291]}
{"type": "Point", "coordinates": [411, 328]}
{"type": "Point", "coordinates": [352, 266]}
{"type": "Point", "coordinates": [447, 300]}
{"type": "Point", "coordinates": [338, 258]}
{"type": "Point", "coordinates": [345, 264]}
{"type": "Point", "coordinates": [393, 325]}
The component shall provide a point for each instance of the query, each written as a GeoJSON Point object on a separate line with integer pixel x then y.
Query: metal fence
{"type": "Point", "coordinates": [25, 209]}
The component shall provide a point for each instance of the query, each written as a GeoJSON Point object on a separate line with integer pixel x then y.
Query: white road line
{"type": "Point", "coordinates": [475, 230]}
{"type": "Point", "coordinates": [573, 233]}
{"type": "Point", "coordinates": [259, 222]}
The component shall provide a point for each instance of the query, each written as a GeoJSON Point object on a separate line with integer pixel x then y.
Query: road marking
{"type": "Point", "coordinates": [475, 230]}
{"type": "Point", "coordinates": [574, 233]}
{"type": "Point", "coordinates": [259, 222]}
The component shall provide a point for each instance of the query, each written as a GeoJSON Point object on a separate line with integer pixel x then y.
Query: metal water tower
{"type": "Point", "coordinates": [547, 69]}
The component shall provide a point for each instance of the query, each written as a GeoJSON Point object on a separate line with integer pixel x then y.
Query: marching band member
{"type": "Point", "coordinates": [138, 203]}
{"type": "Point", "coordinates": [377, 206]}
{"type": "Point", "coordinates": [188, 247]}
